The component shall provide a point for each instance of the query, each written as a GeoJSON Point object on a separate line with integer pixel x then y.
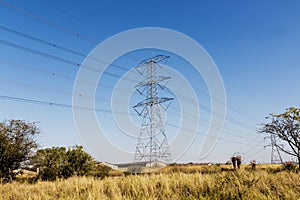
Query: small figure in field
{"type": "Point", "coordinates": [238, 161]}
{"type": "Point", "coordinates": [233, 160]}
{"type": "Point", "coordinates": [253, 164]}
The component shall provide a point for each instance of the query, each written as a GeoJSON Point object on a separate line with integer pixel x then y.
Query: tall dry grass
{"type": "Point", "coordinates": [241, 184]}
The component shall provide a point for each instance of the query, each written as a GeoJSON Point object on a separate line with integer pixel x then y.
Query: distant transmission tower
{"type": "Point", "coordinates": [275, 153]}
{"type": "Point", "coordinates": [152, 144]}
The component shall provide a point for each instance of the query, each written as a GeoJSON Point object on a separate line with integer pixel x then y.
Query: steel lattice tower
{"type": "Point", "coordinates": [152, 144]}
{"type": "Point", "coordinates": [275, 153]}
{"type": "Point", "coordinates": [275, 158]}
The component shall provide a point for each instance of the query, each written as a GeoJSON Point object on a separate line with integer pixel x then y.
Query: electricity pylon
{"type": "Point", "coordinates": [275, 153]}
{"type": "Point", "coordinates": [152, 144]}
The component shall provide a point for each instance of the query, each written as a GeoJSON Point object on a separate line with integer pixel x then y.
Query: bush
{"type": "Point", "coordinates": [289, 166]}
{"type": "Point", "coordinates": [100, 171]}
{"type": "Point", "coordinates": [58, 162]}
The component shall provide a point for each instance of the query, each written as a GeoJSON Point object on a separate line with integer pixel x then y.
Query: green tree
{"type": "Point", "coordinates": [17, 144]}
{"type": "Point", "coordinates": [286, 126]}
{"type": "Point", "coordinates": [58, 162]}
{"type": "Point", "coordinates": [79, 162]}
{"type": "Point", "coordinates": [52, 163]}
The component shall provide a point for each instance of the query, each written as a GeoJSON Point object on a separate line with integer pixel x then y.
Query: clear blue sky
{"type": "Point", "coordinates": [255, 45]}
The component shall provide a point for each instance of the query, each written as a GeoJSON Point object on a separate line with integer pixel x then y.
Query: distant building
{"type": "Point", "coordinates": [125, 166]}
{"type": "Point", "coordinates": [155, 164]}
{"type": "Point", "coordinates": [115, 167]}
{"type": "Point", "coordinates": [142, 164]}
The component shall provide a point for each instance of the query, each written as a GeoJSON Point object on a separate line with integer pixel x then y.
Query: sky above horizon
{"type": "Point", "coordinates": [254, 44]}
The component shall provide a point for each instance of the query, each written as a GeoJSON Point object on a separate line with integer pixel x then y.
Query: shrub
{"type": "Point", "coordinates": [58, 162]}
{"type": "Point", "coordinates": [100, 171]}
{"type": "Point", "coordinates": [289, 166]}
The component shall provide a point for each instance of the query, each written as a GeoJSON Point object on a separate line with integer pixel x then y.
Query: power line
{"type": "Point", "coordinates": [49, 103]}
{"type": "Point", "coordinates": [207, 109]}
{"type": "Point", "coordinates": [66, 61]}
{"type": "Point", "coordinates": [40, 53]}
{"type": "Point", "coordinates": [81, 36]}
{"type": "Point", "coordinates": [45, 21]}
{"type": "Point", "coordinates": [54, 25]}
{"type": "Point", "coordinates": [58, 46]}
{"type": "Point", "coordinates": [78, 64]}
{"type": "Point", "coordinates": [59, 59]}
{"type": "Point", "coordinates": [225, 130]}
{"type": "Point", "coordinates": [251, 149]}
{"type": "Point", "coordinates": [70, 62]}
{"type": "Point", "coordinates": [218, 101]}
{"type": "Point", "coordinates": [76, 34]}
{"type": "Point", "coordinates": [68, 106]}
{"type": "Point", "coordinates": [42, 88]}
{"type": "Point", "coordinates": [198, 133]}
{"type": "Point", "coordinates": [51, 73]}
{"type": "Point", "coordinates": [255, 152]}
{"type": "Point", "coordinates": [53, 57]}
{"type": "Point", "coordinates": [201, 121]}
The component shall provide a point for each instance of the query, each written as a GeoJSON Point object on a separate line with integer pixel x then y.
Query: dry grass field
{"type": "Point", "coordinates": [171, 182]}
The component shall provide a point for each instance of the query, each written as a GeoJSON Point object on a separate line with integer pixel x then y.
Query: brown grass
{"type": "Point", "coordinates": [167, 184]}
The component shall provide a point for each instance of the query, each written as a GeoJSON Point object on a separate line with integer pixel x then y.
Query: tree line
{"type": "Point", "coordinates": [18, 149]}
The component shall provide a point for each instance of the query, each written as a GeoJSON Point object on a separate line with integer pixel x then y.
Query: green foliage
{"type": "Point", "coordinates": [100, 171]}
{"type": "Point", "coordinates": [17, 143]}
{"type": "Point", "coordinates": [52, 163]}
{"type": "Point", "coordinates": [58, 162]}
{"type": "Point", "coordinates": [286, 126]}
{"type": "Point", "coordinates": [79, 162]}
